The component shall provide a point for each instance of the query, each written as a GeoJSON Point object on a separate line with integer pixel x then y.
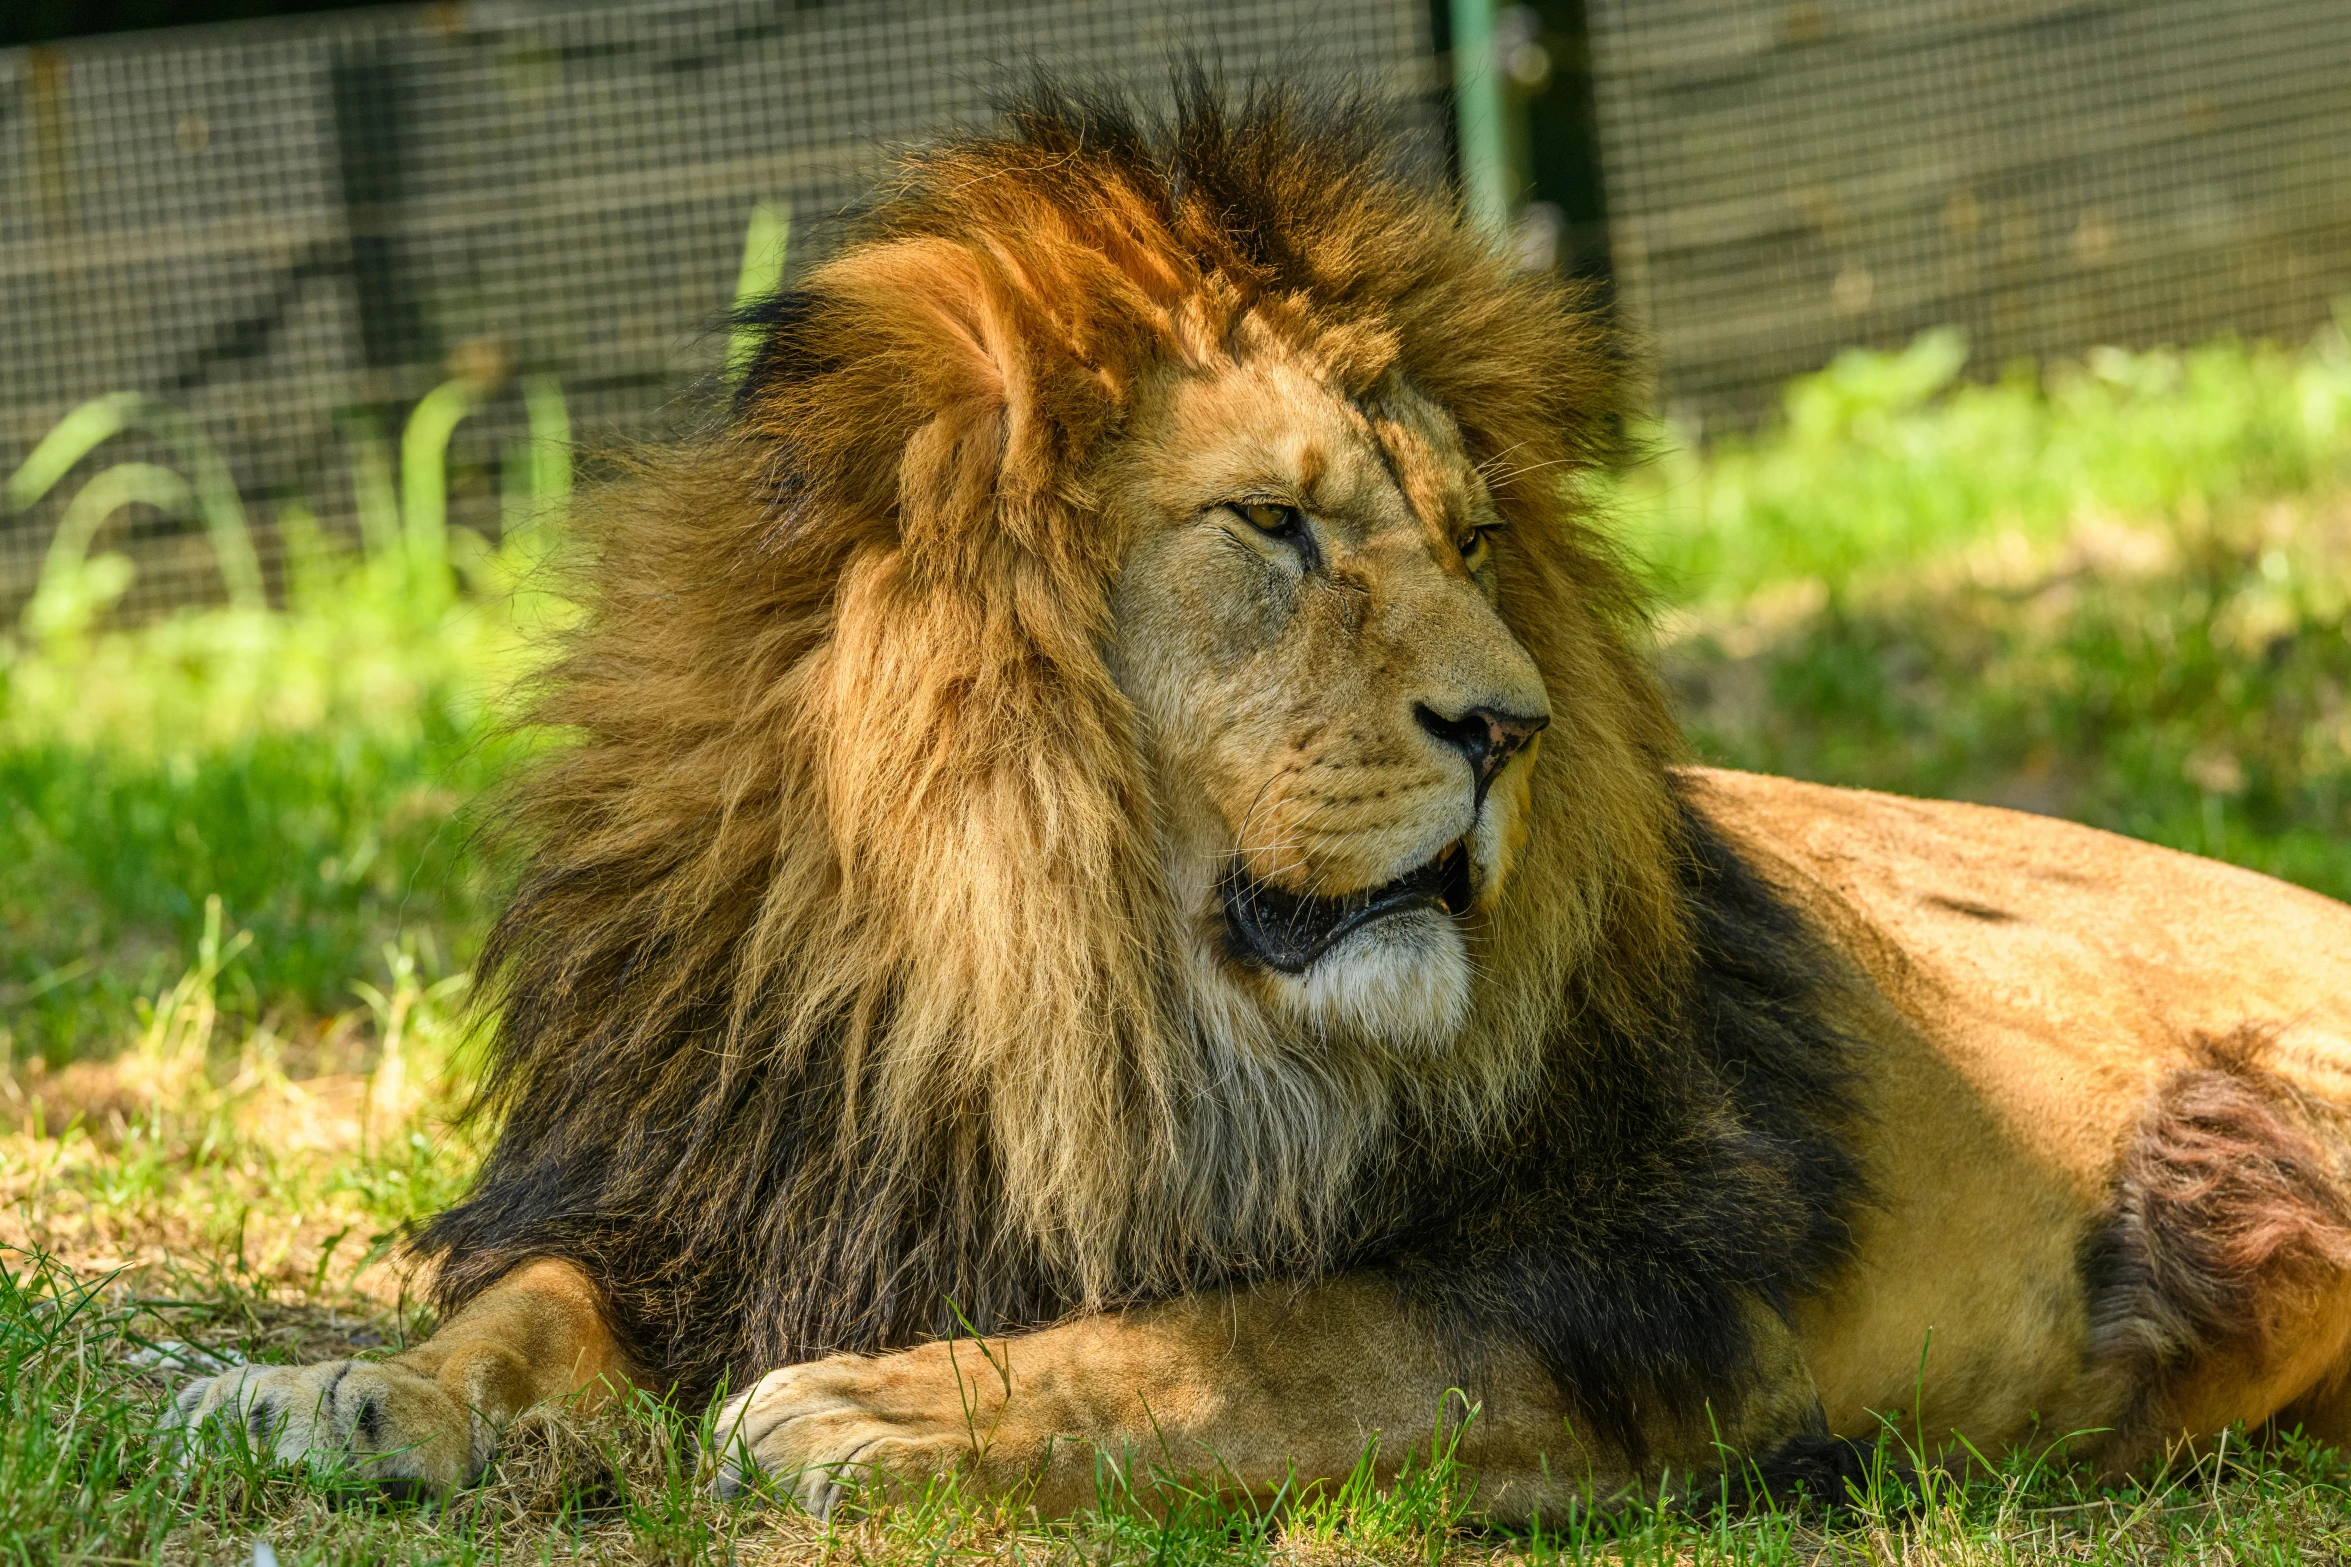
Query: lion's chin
{"type": "Point", "coordinates": [1385, 966]}
{"type": "Point", "coordinates": [1401, 982]}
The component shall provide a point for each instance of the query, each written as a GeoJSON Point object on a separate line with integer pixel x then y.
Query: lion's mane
{"type": "Point", "coordinates": [834, 1006]}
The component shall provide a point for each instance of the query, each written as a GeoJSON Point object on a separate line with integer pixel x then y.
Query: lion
{"type": "Point", "coordinates": [1123, 886]}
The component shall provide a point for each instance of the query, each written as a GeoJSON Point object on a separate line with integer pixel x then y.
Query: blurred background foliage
{"type": "Point", "coordinates": [316, 768]}
{"type": "Point", "coordinates": [2113, 591]}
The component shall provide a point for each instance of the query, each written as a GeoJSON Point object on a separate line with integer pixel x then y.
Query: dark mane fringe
{"type": "Point", "coordinates": [688, 1056]}
{"type": "Point", "coordinates": [1662, 1183]}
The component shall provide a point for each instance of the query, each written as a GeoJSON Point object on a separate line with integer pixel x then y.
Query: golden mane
{"type": "Point", "coordinates": [844, 926]}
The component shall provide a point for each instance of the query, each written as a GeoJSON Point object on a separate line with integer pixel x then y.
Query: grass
{"type": "Point", "coordinates": [309, 768]}
{"type": "Point", "coordinates": [242, 879]}
{"type": "Point", "coordinates": [2116, 593]}
{"type": "Point", "coordinates": [81, 1481]}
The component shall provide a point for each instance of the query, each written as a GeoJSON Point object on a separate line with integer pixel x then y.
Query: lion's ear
{"type": "Point", "coordinates": [929, 378]}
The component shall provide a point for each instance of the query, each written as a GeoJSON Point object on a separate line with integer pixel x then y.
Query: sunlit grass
{"type": "Point", "coordinates": [83, 1360]}
{"type": "Point", "coordinates": [1883, 461]}
{"type": "Point", "coordinates": [195, 1161]}
{"type": "Point", "coordinates": [313, 768]}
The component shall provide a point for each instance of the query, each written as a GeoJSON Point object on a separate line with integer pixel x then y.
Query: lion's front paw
{"type": "Point", "coordinates": [831, 1426]}
{"type": "Point", "coordinates": [356, 1418]}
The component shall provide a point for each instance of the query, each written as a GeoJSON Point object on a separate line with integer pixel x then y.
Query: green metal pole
{"type": "Point", "coordinates": [1477, 110]}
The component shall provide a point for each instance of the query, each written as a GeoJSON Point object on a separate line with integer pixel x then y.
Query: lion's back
{"type": "Point", "coordinates": [2049, 960]}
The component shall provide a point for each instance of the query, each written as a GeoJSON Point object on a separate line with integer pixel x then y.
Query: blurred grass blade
{"type": "Point", "coordinates": [80, 432]}
{"type": "Point", "coordinates": [424, 482]}
{"type": "Point", "coordinates": [216, 495]}
{"type": "Point", "coordinates": [70, 593]}
{"type": "Point", "coordinates": [765, 243]}
{"type": "Point", "coordinates": [124, 484]}
{"type": "Point", "coordinates": [534, 476]}
{"type": "Point", "coordinates": [550, 425]}
{"type": "Point", "coordinates": [70, 440]}
{"type": "Point", "coordinates": [373, 489]}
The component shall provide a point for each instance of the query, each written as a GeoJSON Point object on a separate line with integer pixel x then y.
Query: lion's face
{"type": "Point", "coordinates": [1341, 725]}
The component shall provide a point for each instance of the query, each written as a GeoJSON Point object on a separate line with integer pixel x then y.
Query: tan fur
{"type": "Point", "coordinates": [1202, 1391]}
{"type": "Point", "coordinates": [2034, 985]}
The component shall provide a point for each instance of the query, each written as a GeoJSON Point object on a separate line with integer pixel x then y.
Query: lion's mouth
{"type": "Point", "coordinates": [1287, 931]}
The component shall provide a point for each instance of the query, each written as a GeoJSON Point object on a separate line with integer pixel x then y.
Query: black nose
{"type": "Point", "coordinates": [1487, 737]}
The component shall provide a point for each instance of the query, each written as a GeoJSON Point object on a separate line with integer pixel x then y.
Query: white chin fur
{"type": "Point", "coordinates": [1402, 982]}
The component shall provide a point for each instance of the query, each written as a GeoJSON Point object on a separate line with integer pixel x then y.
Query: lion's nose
{"type": "Point", "coordinates": [1487, 736]}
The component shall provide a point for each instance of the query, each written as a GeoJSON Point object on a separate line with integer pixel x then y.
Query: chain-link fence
{"type": "Point", "coordinates": [275, 240]}
{"type": "Point", "coordinates": [1784, 179]}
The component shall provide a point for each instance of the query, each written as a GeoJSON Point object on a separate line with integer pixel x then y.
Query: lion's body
{"type": "Point", "coordinates": [2045, 1001]}
{"type": "Point", "coordinates": [1117, 806]}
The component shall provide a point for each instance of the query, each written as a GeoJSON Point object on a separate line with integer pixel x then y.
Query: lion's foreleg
{"type": "Point", "coordinates": [1266, 1392]}
{"type": "Point", "coordinates": [429, 1414]}
{"type": "Point", "coordinates": [537, 1334]}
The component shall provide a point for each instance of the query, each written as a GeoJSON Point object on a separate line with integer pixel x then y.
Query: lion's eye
{"type": "Point", "coordinates": [1269, 518]}
{"type": "Point", "coordinates": [1475, 540]}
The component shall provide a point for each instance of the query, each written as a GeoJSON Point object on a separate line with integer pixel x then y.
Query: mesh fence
{"type": "Point", "coordinates": [291, 233]}
{"type": "Point", "coordinates": [1785, 179]}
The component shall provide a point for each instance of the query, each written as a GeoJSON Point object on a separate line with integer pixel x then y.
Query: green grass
{"type": "Point", "coordinates": [2117, 594]}
{"type": "Point", "coordinates": [1884, 461]}
{"type": "Point", "coordinates": [2198, 695]}
{"type": "Point", "coordinates": [312, 769]}
{"type": "Point", "coordinates": [242, 879]}
{"type": "Point", "coordinates": [81, 1481]}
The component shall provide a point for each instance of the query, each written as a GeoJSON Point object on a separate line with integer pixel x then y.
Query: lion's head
{"type": "Point", "coordinates": [1125, 715]}
{"type": "Point", "coordinates": [1340, 726]}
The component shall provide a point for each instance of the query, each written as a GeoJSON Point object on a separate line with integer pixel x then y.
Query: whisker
{"type": "Point", "coordinates": [1515, 474]}
{"type": "Point", "coordinates": [1483, 468]}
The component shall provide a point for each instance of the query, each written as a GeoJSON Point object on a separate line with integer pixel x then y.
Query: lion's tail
{"type": "Point", "coordinates": [2221, 1280]}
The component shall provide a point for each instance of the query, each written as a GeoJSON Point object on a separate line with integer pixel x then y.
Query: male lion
{"type": "Point", "coordinates": [1116, 808]}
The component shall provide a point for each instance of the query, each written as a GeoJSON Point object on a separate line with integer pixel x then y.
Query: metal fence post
{"type": "Point", "coordinates": [1477, 112]}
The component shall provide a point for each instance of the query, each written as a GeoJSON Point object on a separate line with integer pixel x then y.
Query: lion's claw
{"type": "Point", "coordinates": [356, 1418]}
